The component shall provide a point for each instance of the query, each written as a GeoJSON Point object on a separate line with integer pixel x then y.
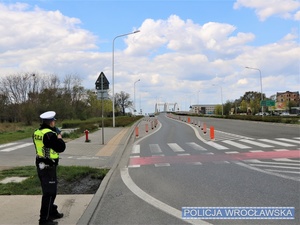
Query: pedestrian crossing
{"type": "Point", "coordinates": [225, 145]}
{"type": "Point", "coordinates": [192, 150]}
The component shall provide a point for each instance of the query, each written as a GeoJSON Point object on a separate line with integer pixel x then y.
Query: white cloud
{"type": "Point", "coordinates": [267, 8]}
{"type": "Point", "coordinates": [174, 58]}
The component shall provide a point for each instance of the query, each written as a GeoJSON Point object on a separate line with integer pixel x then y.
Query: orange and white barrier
{"type": "Point", "coordinates": [212, 133]}
{"type": "Point", "coordinates": [204, 128]}
{"type": "Point", "coordinates": [146, 127]}
{"type": "Point", "coordinates": [137, 131]}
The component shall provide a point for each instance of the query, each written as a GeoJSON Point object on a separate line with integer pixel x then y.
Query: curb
{"type": "Point", "coordinates": [88, 214]}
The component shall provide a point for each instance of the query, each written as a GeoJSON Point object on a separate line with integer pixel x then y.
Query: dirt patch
{"type": "Point", "coordinates": [85, 185]}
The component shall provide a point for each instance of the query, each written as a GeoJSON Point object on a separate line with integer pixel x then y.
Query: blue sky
{"type": "Point", "coordinates": [184, 52]}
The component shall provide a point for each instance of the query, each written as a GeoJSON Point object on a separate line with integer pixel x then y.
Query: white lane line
{"type": "Point", "coordinates": [281, 150]}
{"type": "Point", "coordinates": [136, 149]}
{"type": "Point", "coordinates": [279, 167]}
{"type": "Point", "coordinates": [196, 146]}
{"type": "Point", "coordinates": [16, 147]}
{"type": "Point", "coordinates": [134, 166]}
{"type": "Point", "coordinates": [195, 163]}
{"type": "Point", "coordinates": [215, 145]}
{"type": "Point", "coordinates": [256, 151]}
{"type": "Point", "coordinates": [235, 144]}
{"type": "Point", "coordinates": [288, 140]}
{"type": "Point", "coordinates": [175, 147]}
{"type": "Point", "coordinates": [8, 144]}
{"type": "Point", "coordinates": [277, 142]}
{"type": "Point", "coordinates": [284, 171]}
{"type": "Point", "coordinates": [275, 163]}
{"type": "Point", "coordinates": [287, 160]}
{"type": "Point", "coordinates": [256, 143]}
{"type": "Point", "coordinates": [267, 172]}
{"type": "Point", "coordinates": [154, 148]}
{"type": "Point", "coordinates": [153, 201]}
{"type": "Point", "coordinates": [161, 164]}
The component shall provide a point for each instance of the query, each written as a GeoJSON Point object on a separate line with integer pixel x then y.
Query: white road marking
{"type": "Point", "coordinates": [284, 171]}
{"type": "Point", "coordinates": [175, 147]}
{"type": "Point", "coordinates": [274, 163]}
{"type": "Point", "coordinates": [256, 143]}
{"type": "Point", "coordinates": [277, 142]}
{"type": "Point", "coordinates": [217, 146]}
{"type": "Point", "coordinates": [8, 144]}
{"type": "Point", "coordinates": [153, 201]}
{"type": "Point", "coordinates": [136, 149]}
{"type": "Point", "coordinates": [275, 166]}
{"type": "Point", "coordinates": [267, 172]}
{"type": "Point", "coordinates": [288, 140]}
{"type": "Point", "coordinates": [154, 148]}
{"type": "Point", "coordinates": [235, 144]}
{"type": "Point", "coordinates": [161, 164]}
{"type": "Point", "coordinates": [196, 146]}
{"type": "Point", "coordinates": [287, 160]}
{"type": "Point", "coordinates": [16, 147]}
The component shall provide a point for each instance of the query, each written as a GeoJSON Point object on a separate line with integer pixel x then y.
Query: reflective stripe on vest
{"type": "Point", "coordinates": [38, 137]}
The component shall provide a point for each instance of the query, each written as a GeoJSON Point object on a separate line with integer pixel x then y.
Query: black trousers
{"type": "Point", "coordinates": [48, 180]}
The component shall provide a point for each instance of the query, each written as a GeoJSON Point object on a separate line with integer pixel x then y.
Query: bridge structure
{"type": "Point", "coordinates": [166, 107]}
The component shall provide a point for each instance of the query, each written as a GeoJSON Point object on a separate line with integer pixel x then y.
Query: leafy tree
{"type": "Point", "coordinates": [251, 99]}
{"type": "Point", "coordinates": [218, 109]}
{"type": "Point", "coordinates": [243, 106]}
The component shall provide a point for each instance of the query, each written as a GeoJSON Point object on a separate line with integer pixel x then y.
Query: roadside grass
{"type": "Point", "coordinates": [10, 132]}
{"type": "Point", "coordinates": [68, 179]}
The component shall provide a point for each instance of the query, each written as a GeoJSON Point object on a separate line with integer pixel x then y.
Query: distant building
{"type": "Point", "coordinates": [283, 98]}
{"type": "Point", "coordinates": [288, 96]}
{"type": "Point", "coordinates": [203, 109]}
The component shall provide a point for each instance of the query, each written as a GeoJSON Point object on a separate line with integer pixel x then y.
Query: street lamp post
{"type": "Point", "coordinates": [261, 94]}
{"type": "Point", "coordinates": [134, 95]}
{"type": "Point", "coordinates": [113, 71]}
{"type": "Point", "coordinates": [221, 98]}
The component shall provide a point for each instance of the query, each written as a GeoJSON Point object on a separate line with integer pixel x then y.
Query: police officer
{"type": "Point", "coordinates": [48, 144]}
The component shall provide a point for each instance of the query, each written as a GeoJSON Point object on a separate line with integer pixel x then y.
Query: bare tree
{"type": "Point", "coordinates": [122, 101]}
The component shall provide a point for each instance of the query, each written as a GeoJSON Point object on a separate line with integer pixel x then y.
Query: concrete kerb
{"type": "Point", "coordinates": [91, 208]}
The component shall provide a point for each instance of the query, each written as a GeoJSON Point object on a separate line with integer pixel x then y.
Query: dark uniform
{"type": "Point", "coordinates": [48, 146]}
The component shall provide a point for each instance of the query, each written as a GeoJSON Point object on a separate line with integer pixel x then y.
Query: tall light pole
{"type": "Point", "coordinates": [261, 94]}
{"type": "Point", "coordinates": [134, 95]}
{"type": "Point", "coordinates": [221, 97]}
{"type": "Point", "coordinates": [113, 72]}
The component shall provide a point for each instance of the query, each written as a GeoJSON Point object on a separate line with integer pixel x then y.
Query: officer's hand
{"type": "Point", "coordinates": [59, 136]}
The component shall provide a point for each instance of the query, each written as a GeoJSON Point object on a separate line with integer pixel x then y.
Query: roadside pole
{"type": "Point", "coordinates": [102, 85]}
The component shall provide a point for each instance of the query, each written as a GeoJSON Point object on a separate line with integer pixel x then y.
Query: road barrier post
{"type": "Point", "coordinates": [146, 126]}
{"type": "Point", "coordinates": [212, 133]}
{"type": "Point", "coordinates": [137, 131]}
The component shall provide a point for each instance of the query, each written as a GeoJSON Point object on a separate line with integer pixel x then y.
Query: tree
{"type": "Point", "coordinates": [122, 101]}
{"type": "Point", "coordinates": [251, 99]}
{"type": "Point", "coordinates": [218, 109]}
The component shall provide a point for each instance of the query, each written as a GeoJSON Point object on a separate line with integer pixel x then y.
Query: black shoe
{"type": "Point", "coordinates": [47, 222]}
{"type": "Point", "coordinates": [56, 216]}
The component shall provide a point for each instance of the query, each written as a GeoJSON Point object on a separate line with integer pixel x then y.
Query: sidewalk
{"type": "Point", "coordinates": [24, 209]}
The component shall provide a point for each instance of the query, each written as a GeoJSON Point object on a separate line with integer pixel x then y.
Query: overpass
{"type": "Point", "coordinates": [166, 107]}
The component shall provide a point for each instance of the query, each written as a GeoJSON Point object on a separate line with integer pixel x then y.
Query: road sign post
{"type": "Point", "coordinates": [102, 85]}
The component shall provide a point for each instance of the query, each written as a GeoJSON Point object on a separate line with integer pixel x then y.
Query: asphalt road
{"type": "Point", "coordinates": [249, 164]}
